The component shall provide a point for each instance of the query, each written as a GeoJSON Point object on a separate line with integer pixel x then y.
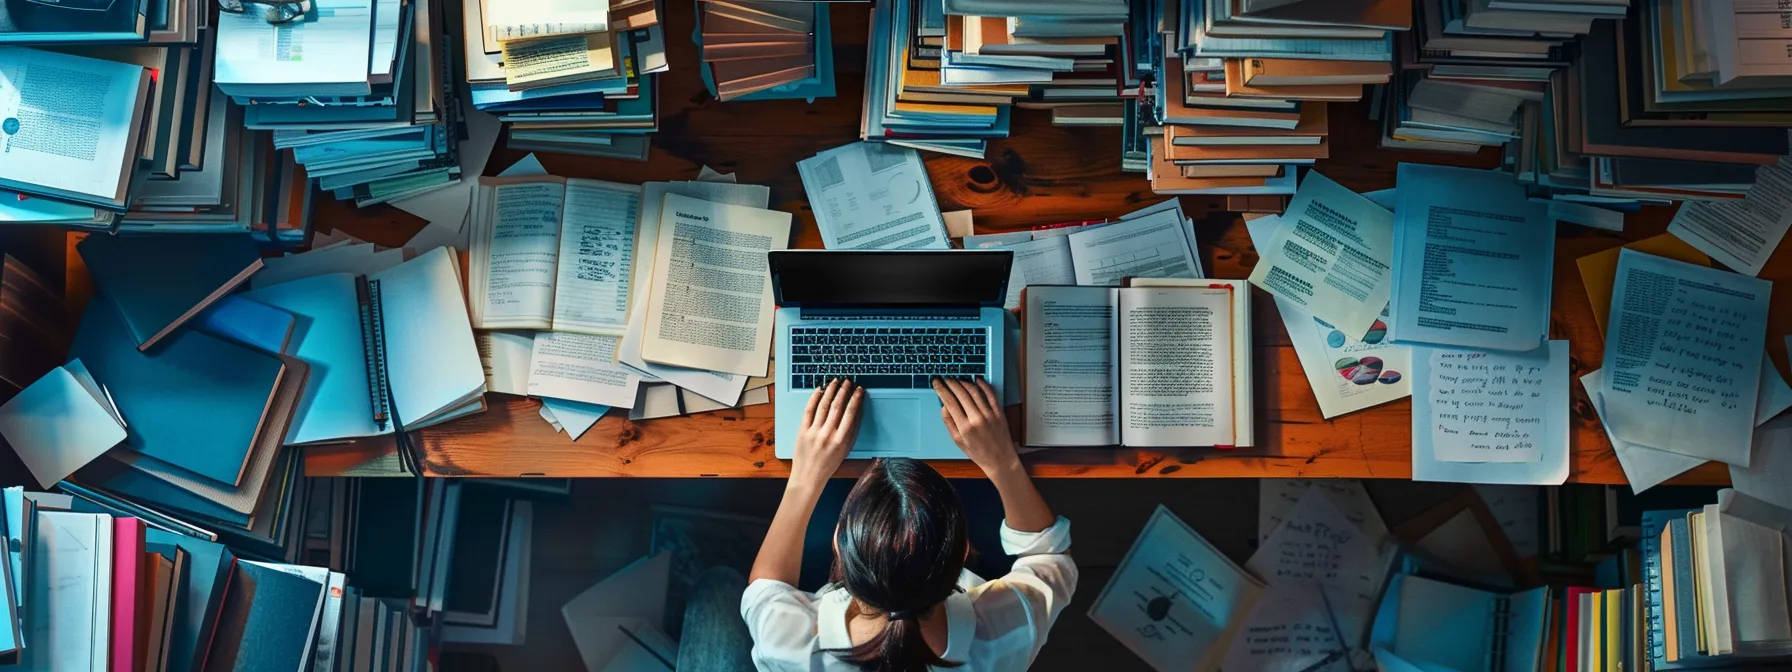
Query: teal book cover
{"type": "Point", "coordinates": [209, 569]}
{"type": "Point", "coordinates": [160, 281]}
{"type": "Point", "coordinates": [266, 621]}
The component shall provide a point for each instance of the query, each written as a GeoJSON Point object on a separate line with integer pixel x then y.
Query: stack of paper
{"type": "Point", "coordinates": [570, 77]}
{"type": "Point", "coordinates": [749, 47]}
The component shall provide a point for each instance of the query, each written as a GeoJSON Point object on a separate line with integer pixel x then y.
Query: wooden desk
{"type": "Point", "coordinates": [1041, 175]}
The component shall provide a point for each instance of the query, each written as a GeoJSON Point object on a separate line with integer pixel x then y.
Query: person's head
{"type": "Point", "coordinates": [899, 548]}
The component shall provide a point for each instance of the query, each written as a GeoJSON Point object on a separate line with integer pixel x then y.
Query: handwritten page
{"type": "Point", "coordinates": [1317, 550]}
{"type": "Point", "coordinates": [580, 367]}
{"type": "Point", "coordinates": [1289, 632]}
{"type": "Point", "coordinates": [1175, 600]}
{"type": "Point", "coordinates": [1473, 261]}
{"type": "Point", "coordinates": [1347, 374]}
{"type": "Point", "coordinates": [1038, 262]}
{"type": "Point", "coordinates": [1643, 467]}
{"type": "Point", "coordinates": [1479, 427]}
{"type": "Point", "coordinates": [1332, 256]}
{"type": "Point", "coordinates": [1683, 357]}
{"type": "Point", "coordinates": [1486, 407]}
{"type": "Point", "coordinates": [597, 250]}
{"type": "Point", "coordinates": [1276, 497]}
{"type": "Point", "coordinates": [1741, 233]}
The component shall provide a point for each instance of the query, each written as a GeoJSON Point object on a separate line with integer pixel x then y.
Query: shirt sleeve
{"type": "Point", "coordinates": [1023, 605]}
{"type": "Point", "coordinates": [781, 620]}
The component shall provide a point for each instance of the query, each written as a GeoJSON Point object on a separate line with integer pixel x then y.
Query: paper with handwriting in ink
{"type": "Point", "coordinates": [1317, 550]}
{"type": "Point", "coordinates": [1276, 498]}
{"type": "Point", "coordinates": [1683, 357]}
{"type": "Point", "coordinates": [1551, 467]}
{"type": "Point", "coordinates": [1289, 632]}
{"type": "Point", "coordinates": [1491, 406]}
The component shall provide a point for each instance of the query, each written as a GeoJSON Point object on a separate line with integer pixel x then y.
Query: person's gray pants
{"type": "Point", "coordinates": [715, 639]}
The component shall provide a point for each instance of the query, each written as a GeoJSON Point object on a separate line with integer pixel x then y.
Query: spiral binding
{"type": "Point", "coordinates": [1502, 632]}
{"type": "Point", "coordinates": [373, 345]}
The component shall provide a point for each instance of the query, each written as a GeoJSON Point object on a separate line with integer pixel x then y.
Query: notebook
{"type": "Point", "coordinates": [161, 281]}
{"type": "Point", "coordinates": [1431, 624]}
{"type": "Point", "coordinates": [410, 352]}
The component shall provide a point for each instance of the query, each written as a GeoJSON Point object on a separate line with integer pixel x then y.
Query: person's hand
{"type": "Point", "coordinates": [973, 414]}
{"type": "Point", "coordinates": [830, 425]}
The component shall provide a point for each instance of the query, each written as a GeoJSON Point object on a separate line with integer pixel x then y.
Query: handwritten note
{"type": "Point", "coordinates": [1489, 406]}
{"type": "Point", "coordinates": [1316, 550]}
{"type": "Point", "coordinates": [1682, 358]}
{"type": "Point", "coordinates": [1289, 632]}
{"type": "Point", "coordinates": [1277, 497]}
{"type": "Point", "coordinates": [1430, 442]}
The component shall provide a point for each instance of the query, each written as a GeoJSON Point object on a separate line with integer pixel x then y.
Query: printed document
{"type": "Point", "coordinates": [505, 356]}
{"type": "Point", "coordinates": [1175, 600]}
{"type": "Point", "coordinates": [1347, 374]}
{"type": "Point", "coordinates": [873, 196]}
{"type": "Point", "coordinates": [1070, 379]}
{"type": "Point", "coordinates": [547, 61]}
{"type": "Point", "coordinates": [710, 306]}
{"type": "Point", "coordinates": [1038, 262]}
{"type": "Point", "coordinates": [1331, 257]}
{"type": "Point", "coordinates": [1741, 233]}
{"type": "Point", "coordinates": [1643, 467]}
{"type": "Point", "coordinates": [71, 121]}
{"type": "Point", "coordinates": [1483, 424]}
{"type": "Point", "coordinates": [515, 255]}
{"type": "Point", "coordinates": [1152, 246]}
{"type": "Point", "coordinates": [326, 56]}
{"type": "Point", "coordinates": [1473, 261]}
{"type": "Point", "coordinates": [597, 250]}
{"type": "Point", "coordinates": [1683, 357]}
{"type": "Point", "coordinates": [580, 367]}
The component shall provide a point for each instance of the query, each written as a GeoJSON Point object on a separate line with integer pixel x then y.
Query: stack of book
{"type": "Point", "coordinates": [943, 75]}
{"type": "Point", "coordinates": [749, 47]}
{"type": "Point", "coordinates": [580, 82]}
{"type": "Point", "coordinates": [1473, 74]}
{"type": "Point", "coordinates": [357, 94]}
{"type": "Point", "coordinates": [1645, 114]}
{"type": "Point", "coordinates": [1243, 88]}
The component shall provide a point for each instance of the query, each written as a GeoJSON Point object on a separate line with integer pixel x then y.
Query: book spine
{"type": "Point", "coordinates": [1502, 632]}
{"type": "Point", "coordinates": [1655, 634]}
{"type": "Point", "coordinates": [1685, 601]}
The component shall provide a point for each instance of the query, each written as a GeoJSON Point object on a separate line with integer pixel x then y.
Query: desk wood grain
{"type": "Point", "coordinates": [1043, 174]}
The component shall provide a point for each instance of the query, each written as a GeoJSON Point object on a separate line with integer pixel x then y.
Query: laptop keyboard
{"type": "Point", "coordinates": [906, 358]}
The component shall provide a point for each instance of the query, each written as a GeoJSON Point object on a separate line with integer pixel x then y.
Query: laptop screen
{"type": "Point", "coordinates": [818, 278]}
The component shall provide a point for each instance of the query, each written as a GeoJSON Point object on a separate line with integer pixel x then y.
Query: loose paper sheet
{"type": "Point", "coordinates": [1741, 233]}
{"type": "Point", "coordinates": [1277, 496]}
{"type": "Point", "coordinates": [596, 257]}
{"type": "Point", "coordinates": [57, 425]}
{"type": "Point", "coordinates": [1768, 476]}
{"type": "Point", "coordinates": [873, 196]}
{"type": "Point", "coordinates": [1038, 262]}
{"type": "Point", "coordinates": [1644, 467]}
{"type": "Point", "coordinates": [1317, 550]}
{"type": "Point", "coordinates": [1474, 424]}
{"type": "Point", "coordinates": [1682, 358]}
{"type": "Point", "coordinates": [574, 417]}
{"type": "Point", "coordinates": [1175, 600]}
{"type": "Point", "coordinates": [710, 306]}
{"type": "Point", "coordinates": [1346, 374]}
{"type": "Point", "coordinates": [580, 367]}
{"type": "Point", "coordinates": [1151, 246]}
{"type": "Point", "coordinates": [1599, 271]}
{"type": "Point", "coordinates": [506, 356]}
{"type": "Point", "coordinates": [1333, 256]}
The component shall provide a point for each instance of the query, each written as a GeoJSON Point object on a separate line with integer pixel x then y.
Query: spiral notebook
{"type": "Point", "coordinates": [1431, 625]}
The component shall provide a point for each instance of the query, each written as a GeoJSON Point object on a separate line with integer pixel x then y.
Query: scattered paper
{"type": "Point", "coordinates": [1332, 257]}
{"type": "Point", "coordinates": [1768, 476]}
{"type": "Point", "coordinates": [574, 417]}
{"type": "Point", "coordinates": [580, 367]}
{"type": "Point", "coordinates": [1175, 600]}
{"type": "Point", "coordinates": [1682, 348]}
{"type": "Point", "coordinates": [1598, 271]}
{"type": "Point", "coordinates": [1643, 467]}
{"type": "Point", "coordinates": [506, 356]}
{"type": "Point", "coordinates": [1741, 233]}
{"type": "Point", "coordinates": [1476, 424]}
{"type": "Point", "coordinates": [1316, 550]}
{"type": "Point", "coordinates": [958, 223]}
{"type": "Point", "coordinates": [58, 424]}
{"type": "Point", "coordinates": [993, 240]}
{"type": "Point", "coordinates": [633, 595]}
{"type": "Point", "coordinates": [453, 233]}
{"type": "Point", "coordinates": [1277, 496]}
{"type": "Point", "coordinates": [873, 196]}
{"type": "Point", "coordinates": [1515, 507]}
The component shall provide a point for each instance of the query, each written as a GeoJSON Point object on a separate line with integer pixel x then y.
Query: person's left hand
{"type": "Point", "coordinates": [830, 425]}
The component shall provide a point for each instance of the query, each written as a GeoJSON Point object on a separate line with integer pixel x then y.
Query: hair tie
{"type": "Point", "coordinates": [899, 615]}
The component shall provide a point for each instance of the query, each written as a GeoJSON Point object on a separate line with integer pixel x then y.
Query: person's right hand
{"type": "Point", "coordinates": [973, 415]}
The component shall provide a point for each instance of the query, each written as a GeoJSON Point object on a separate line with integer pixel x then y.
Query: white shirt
{"type": "Point", "coordinates": [990, 625]}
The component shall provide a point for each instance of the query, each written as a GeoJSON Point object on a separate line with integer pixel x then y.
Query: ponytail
{"type": "Point", "coordinates": [899, 648]}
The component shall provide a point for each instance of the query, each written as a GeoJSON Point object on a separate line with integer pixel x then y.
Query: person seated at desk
{"type": "Point", "coordinates": [900, 598]}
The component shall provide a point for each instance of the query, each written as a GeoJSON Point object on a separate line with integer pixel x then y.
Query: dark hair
{"type": "Point", "coordinates": [900, 547]}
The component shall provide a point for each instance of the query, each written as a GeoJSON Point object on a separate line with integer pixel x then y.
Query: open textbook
{"type": "Point", "coordinates": [710, 305]}
{"type": "Point", "coordinates": [67, 141]}
{"type": "Point", "coordinates": [1683, 357]}
{"type": "Point", "coordinates": [1347, 373]}
{"type": "Point", "coordinates": [1160, 363]}
{"type": "Point", "coordinates": [554, 253]}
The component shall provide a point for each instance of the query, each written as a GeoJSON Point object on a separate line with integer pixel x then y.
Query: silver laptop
{"type": "Point", "coordinates": [891, 322]}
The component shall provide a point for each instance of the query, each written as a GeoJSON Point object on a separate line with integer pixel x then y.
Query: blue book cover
{"type": "Point", "coordinates": [197, 402]}
{"type": "Point", "coordinates": [266, 620]}
{"type": "Point", "coordinates": [1653, 523]}
{"type": "Point", "coordinates": [209, 568]}
{"type": "Point", "coordinates": [160, 281]}
{"type": "Point", "coordinates": [249, 322]}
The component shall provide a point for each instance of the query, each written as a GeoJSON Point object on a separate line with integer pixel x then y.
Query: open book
{"type": "Point", "coordinates": [552, 253]}
{"type": "Point", "coordinates": [1159, 363]}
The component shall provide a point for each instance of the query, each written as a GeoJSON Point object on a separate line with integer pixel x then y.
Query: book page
{"type": "Point", "coordinates": [597, 250]}
{"type": "Point", "coordinates": [1175, 367]}
{"type": "Point", "coordinates": [549, 59]}
{"type": "Point", "coordinates": [580, 367]}
{"type": "Point", "coordinates": [1175, 600]}
{"type": "Point", "coordinates": [514, 255]}
{"type": "Point", "coordinates": [1332, 256]}
{"type": "Point", "coordinates": [1069, 396]}
{"type": "Point", "coordinates": [1682, 357]}
{"type": "Point", "coordinates": [1473, 261]}
{"type": "Point", "coordinates": [1491, 407]}
{"type": "Point", "coordinates": [70, 121]}
{"type": "Point", "coordinates": [1476, 431]}
{"type": "Point", "coordinates": [1152, 246]}
{"type": "Point", "coordinates": [505, 356]}
{"type": "Point", "coordinates": [711, 302]}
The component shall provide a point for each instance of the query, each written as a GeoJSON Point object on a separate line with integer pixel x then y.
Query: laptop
{"type": "Point", "coordinates": [890, 321]}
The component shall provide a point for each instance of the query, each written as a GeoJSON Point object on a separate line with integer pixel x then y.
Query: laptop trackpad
{"type": "Point", "coordinates": [890, 424]}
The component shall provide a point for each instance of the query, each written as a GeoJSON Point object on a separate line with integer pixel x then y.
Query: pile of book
{"type": "Point", "coordinates": [147, 147]}
{"type": "Point", "coordinates": [1243, 87]}
{"type": "Point", "coordinates": [943, 75]}
{"type": "Point", "coordinates": [579, 81]}
{"type": "Point", "coordinates": [358, 94]}
{"type": "Point", "coordinates": [749, 47]}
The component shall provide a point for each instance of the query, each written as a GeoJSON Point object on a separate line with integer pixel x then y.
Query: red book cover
{"type": "Point", "coordinates": [1571, 630]}
{"type": "Point", "coordinates": [127, 568]}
